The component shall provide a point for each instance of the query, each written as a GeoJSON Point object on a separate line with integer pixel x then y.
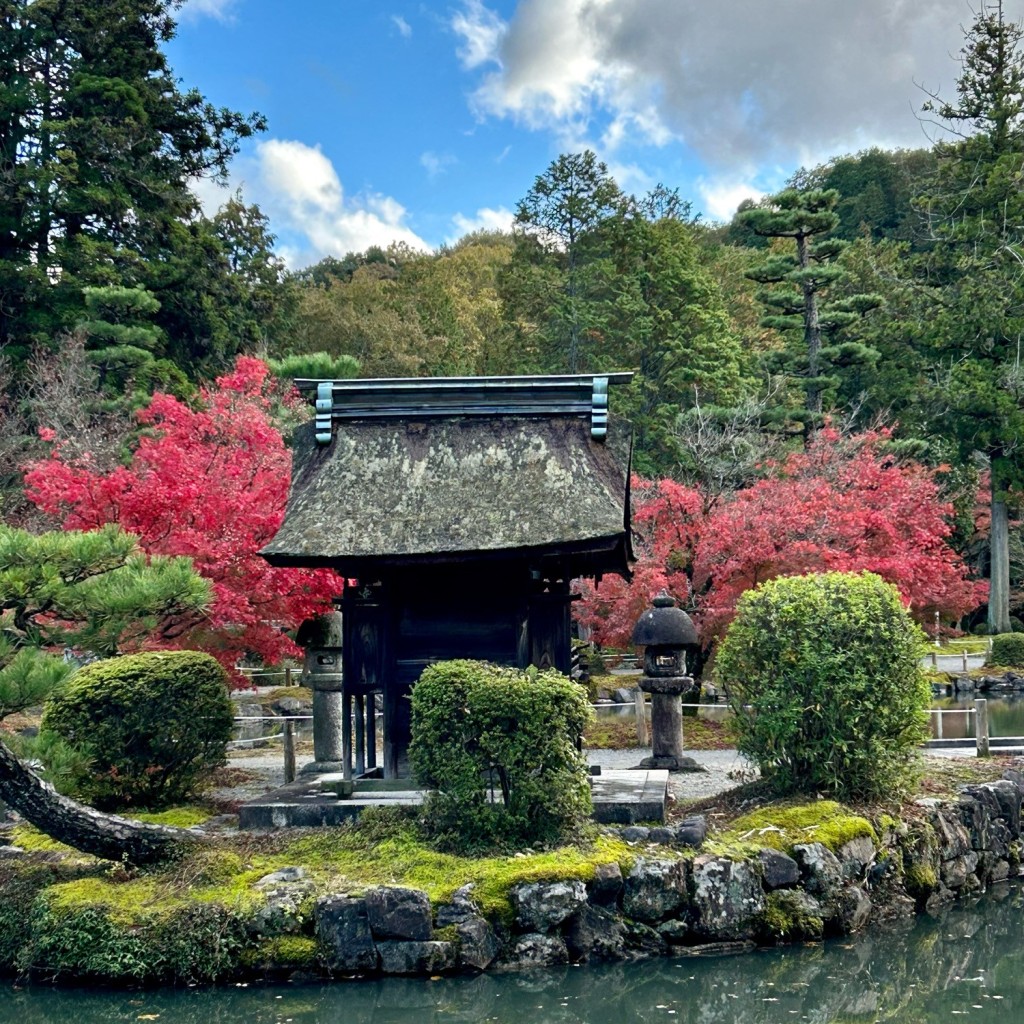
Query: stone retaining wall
{"type": "Point", "coordinates": [679, 902]}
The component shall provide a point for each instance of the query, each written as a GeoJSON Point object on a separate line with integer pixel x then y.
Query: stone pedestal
{"type": "Point", "coordinates": [667, 723]}
{"type": "Point", "coordinates": [328, 721]}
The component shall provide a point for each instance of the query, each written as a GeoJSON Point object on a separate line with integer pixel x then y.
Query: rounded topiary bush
{"type": "Point", "coordinates": [824, 674]}
{"type": "Point", "coordinates": [1007, 650]}
{"type": "Point", "coordinates": [499, 750]}
{"type": "Point", "coordinates": [150, 726]}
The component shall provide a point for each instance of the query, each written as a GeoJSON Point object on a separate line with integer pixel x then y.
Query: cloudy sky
{"type": "Point", "coordinates": [420, 121]}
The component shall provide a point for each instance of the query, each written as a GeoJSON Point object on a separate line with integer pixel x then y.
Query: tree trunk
{"type": "Point", "coordinates": [102, 835]}
{"type": "Point", "coordinates": [999, 558]}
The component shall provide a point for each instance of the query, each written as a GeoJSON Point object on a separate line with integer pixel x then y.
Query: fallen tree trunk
{"type": "Point", "coordinates": [84, 828]}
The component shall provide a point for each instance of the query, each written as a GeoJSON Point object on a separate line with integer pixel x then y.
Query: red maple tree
{"type": "Point", "coordinates": [209, 481]}
{"type": "Point", "coordinates": [844, 504]}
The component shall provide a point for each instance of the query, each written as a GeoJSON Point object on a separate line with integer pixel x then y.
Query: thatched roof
{"type": "Point", "coordinates": [458, 488]}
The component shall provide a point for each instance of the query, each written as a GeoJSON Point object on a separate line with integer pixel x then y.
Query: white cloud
{"type": "Point", "coordinates": [404, 28]}
{"type": "Point", "coordinates": [486, 219]}
{"type": "Point", "coordinates": [436, 164]}
{"type": "Point", "coordinates": [739, 82]}
{"type": "Point", "coordinates": [298, 188]}
{"type": "Point", "coordinates": [220, 10]}
{"type": "Point", "coordinates": [480, 31]}
{"type": "Point", "coordinates": [720, 197]}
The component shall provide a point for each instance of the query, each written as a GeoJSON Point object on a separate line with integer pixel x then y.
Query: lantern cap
{"type": "Point", "coordinates": [665, 625]}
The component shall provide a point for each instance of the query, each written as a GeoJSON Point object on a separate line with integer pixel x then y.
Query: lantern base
{"type": "Point", "coordinates": [672, 763]}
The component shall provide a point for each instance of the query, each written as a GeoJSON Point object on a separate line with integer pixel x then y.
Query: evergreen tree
{"type": "Point", "coordinates": [98, 147]}
{"type": "Point", "coordinates": [798, 288]}
{"type": "Point", "coordinates": [558, 275]}
{"type": "Point", "coordinates": [975, 270]}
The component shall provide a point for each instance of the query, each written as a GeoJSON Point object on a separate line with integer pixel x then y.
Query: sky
{"type": "Point", "coordinates": [417, 122]}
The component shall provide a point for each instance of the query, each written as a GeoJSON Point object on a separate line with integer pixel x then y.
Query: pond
{"type": "Point", "coordinates": [968, 961]}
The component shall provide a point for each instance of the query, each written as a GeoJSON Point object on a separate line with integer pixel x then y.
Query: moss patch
{"type": "Point", "coordinates": [786, 916]}
{"type": "Point", "coordinates": [784, 825]}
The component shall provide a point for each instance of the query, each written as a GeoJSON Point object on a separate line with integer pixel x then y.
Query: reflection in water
{"type": "Point", "coordinates": [1005, 717]}
{"type": "Point", "coordinates": [969, 961]}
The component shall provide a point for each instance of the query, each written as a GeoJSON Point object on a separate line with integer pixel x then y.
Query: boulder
{"type": "Point", "coordinates": [654, 889]}
{"type": "Point", "coordinates": [636, 834]}
{"type": "Point", "coordinates": [395, 912]}
{"type": "Point", "coordinates": [541, 906]}
{"type": "Point", "coordinates": [623, 696]}
{"type": "Point", "coordinates": [1007, 795]}
{"type": "Point", "coordinates": [344, 933]}
{"type": "Point", "coordinates": [461, 908]}
{"type": "Point", "coordinates": [606, 886]}
{"type": "Point", "coordinates": [281, 913]}
{"type": "Point", "coordinates": [416, 957]}
{"type": "Point", "coordinates": [478, 945]}
{"type": "Point", "coordinates": [778, 870]}
{"type": "Point", "coordinates": [663, 835]}
{"type": "Point", "coordinates": [727, 898]}
{"type": "Point", "coordinates": [288, 706]}
{"type": "Point", "coordinates": [692, 831]}
{"type": "Point", "coordinates": [855, 856]}
{"type": "Point", "coordinates": [792, 914]}
{"type": "Point", "coordinates": [595, 933]}
{"type": "Point", "coordinates": [534, 950]}
{"type": "Point", "coordinates": [675, 932]}
{"type": "Point", "coordinates": [853, 908]}
{"type": "Point", "coordinates": [820, 870]}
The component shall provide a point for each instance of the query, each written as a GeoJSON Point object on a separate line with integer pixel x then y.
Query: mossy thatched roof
{"type": "Point", "coordinates": [458, 489]}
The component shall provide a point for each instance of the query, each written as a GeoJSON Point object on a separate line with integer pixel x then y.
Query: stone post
{"type": "Point", "coordinates": [667, 723]}
{"type": "Point", "coordinates": [321, 671]}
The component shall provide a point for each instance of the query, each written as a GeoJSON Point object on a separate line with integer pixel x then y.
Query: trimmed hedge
{"type": "Point", "coordinates": [499, 750]}
{"type": "Point", "coordinates": [823, 672]}
{"type": "Point", "coordinates": [1007, 650]}
{"type": "Point", "coordinates": [150, 726]}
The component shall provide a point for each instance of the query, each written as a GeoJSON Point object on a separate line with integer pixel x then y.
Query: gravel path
{"type": "Point", "coordinates": [722, 768]}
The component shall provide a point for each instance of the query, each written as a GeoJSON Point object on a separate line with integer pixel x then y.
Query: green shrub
{"type": "Point", "coordinates": [1008, 650]}
{"type": "Point", "coordinates": [499, 750]}
{"type": "Point", "coordinates": [150, 726]}
{"type": "Point", "coordinates": [824, 674]}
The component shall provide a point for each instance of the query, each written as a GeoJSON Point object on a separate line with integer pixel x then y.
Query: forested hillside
{"type": "Point", "coordinates": [874, 305]}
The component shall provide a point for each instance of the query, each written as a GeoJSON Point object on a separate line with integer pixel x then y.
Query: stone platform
{"type": "Point", "coordinates": [619, 797]}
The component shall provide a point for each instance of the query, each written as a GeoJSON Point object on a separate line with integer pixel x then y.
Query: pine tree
{"type": "Point", "coordinates": [797, 288]}
{"type": "Point", "coordinates": [975, 271]}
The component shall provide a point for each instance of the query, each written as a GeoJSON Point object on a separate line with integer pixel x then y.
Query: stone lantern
{"type": "Point", "coordinates": [666, 632]}
{"type": "Point", "coordinates": [321, 671]}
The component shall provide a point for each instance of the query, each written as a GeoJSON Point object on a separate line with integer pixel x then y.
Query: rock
{"type": "Point", "coordinates": [855, 856]}
{"type": "Point", "coordinates": [727, 898]}
{"type": "Point", "coordinates": [395, 912]}
{"type": "Point", "coordinates": [604, 890]}
{"type": "Point", "coordinates": [533, 950]}
{"type": "Point", "coordinates": [955, 872]}
{"type": "Point", "coordinates": [250, 711]}
{"type": "Point", "coordinates": [853, 908]}
{"type": "Point", "coordinates": [595, 933]}
{"type": "Point", "coordinates": [282, 876]}
{"type": "Point", "coordinates": [461, 908]}
{"type": "Point", "coordinates": [288, 706]}
{"type": "Point", "coordinates": [11, 852]}
{"type": "Point", "coordinates": [692, 831]}
{"type": "Point", "coordinates": [1008, 796]}
{"type": "Point", "coordinates": [416, 957]}
{"type": "Point", "coordinates": [654, 889]}
{"type": "Point", "coordinates": [778, 870]}
{"type": "Point", "coordinates": [1000, 871]}
{"type": "Point", "coordinates": [675, 932]}
{"type": "Point", "coordinates": [623, 696]}
{"type": "Point", "coordinates": [541, 906]}
{"type": "Point", "coordinates": [344, 933]}
{"type": "Point", "coordinates": [718, 949]}
{"type": "Point", "coordinates": [281, 914]}
{"type": "Point", "coordinates": [1017, 778]}
{"type": "Point", "coordinates": [820, 870]}
{"type": "Point", "coordinates": [478, 945]}
{"type": "Point", "coordinates": [953, 839]}
{"type": "Point", "coordinates": [664, 836]}
{"type": "Point", "coordinates": [792, 914]}
{"type": "Point", "coordinates": [643, 941]}
{"type": "Point", "coordinates": [636, 834]}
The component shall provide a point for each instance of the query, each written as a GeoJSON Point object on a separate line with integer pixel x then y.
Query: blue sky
{"type": "Point", "coordinates": [418, 121]}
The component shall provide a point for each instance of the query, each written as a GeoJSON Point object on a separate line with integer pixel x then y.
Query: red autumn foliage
{"type": "Point", "coordinates": [209, 482]}
{"type": "Point", "coordinates": [844, 505]}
